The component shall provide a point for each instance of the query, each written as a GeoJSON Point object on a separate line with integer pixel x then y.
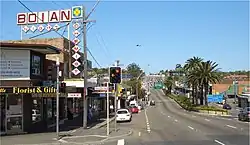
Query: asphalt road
{"type": "Point", "coordinates": [168, 124]}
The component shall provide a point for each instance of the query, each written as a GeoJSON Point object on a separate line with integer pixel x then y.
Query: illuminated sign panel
{"type": "Point", "coordinates": [54, 16]}
{"type": "Point", "coordinates": [27, 90]}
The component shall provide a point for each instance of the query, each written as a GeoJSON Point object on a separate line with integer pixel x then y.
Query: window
{"type": "Point", "coordinates": [122, 112]}
{"type": "Point", "coordinates": [36, 65]}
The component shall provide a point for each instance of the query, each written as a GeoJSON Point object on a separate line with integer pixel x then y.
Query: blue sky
{"type": "Point", "coordinates": [168, 32]}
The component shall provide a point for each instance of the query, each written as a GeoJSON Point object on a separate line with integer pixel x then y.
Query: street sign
{"type": "Point", "coordinates": [100, 88]}
{"type": "Point", "coordinates": [74, 95]}
{"type": "Point", "coordinates": [215, 98]}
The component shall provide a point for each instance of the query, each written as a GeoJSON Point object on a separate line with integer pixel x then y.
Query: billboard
{"type": "Point", "coordinates": [54, 16]}
{"type": "Point", "coordinates": [15, 64]}
{"type": "Point", "coordinates": [215, 98]}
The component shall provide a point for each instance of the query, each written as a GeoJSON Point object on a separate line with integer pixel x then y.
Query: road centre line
{"type": "Point", "coordinates": [219, 142]}
{"type": "Point", "coordinates": [176, 120]}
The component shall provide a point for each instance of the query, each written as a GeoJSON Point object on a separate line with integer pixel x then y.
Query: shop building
{"type": "Point", "coordinates": [23, 71]}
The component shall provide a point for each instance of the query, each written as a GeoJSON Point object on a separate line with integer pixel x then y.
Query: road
{"type": "Point", "coordinates": [168, 124]}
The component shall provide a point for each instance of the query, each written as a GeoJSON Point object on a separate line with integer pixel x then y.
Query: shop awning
{"type": "Point", "coordinates": [41, 48]}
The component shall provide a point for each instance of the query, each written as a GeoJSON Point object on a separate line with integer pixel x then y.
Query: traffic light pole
{"type": "Point", "coordinates": [108, 109]}
{"type": "Point", "coordinates": [116, 90]}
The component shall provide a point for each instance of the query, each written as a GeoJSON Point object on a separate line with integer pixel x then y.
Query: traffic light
{"type": "Point", "coordinates": [62, 88]}
{"type": "Point", "coordinates": [115, 75]}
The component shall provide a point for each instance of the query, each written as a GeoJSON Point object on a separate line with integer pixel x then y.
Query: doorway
{"type": "Point", "coordinates": [14, 113]}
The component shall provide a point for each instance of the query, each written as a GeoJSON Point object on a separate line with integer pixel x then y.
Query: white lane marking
{"type": "Point", "coordinates": [191, 127]}
{"type": "Point", "coordinates": [219, 142]}
{"type": "Point", "coordinates": [193, 116]}
{"type": "Point", "coordinates": [121, 142]}
{"type": "Point", "coordinates": [207, 119]}
{"type": "Point", "coordinates": [176, 120]}
{"type": "Point", "coordinates": [62, 141]}
{"type": "Point", "coordinates": [146, 116]}
{"type": "Point", "coordinates": [231, 126]}
{"type": "Point", "coordinates": [168, 116]}
{"type": "Point", "coordinates": [139, 134]}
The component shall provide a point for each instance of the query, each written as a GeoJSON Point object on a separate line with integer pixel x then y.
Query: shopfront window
{"type": "Point", "coordinates": [37, 109]}
{"type": "Point", "coordinates": [3, 111]}
{"type": "Point", "coordinates": [36, 65]}
{"type": "Point", "coordinates": [14, 113]}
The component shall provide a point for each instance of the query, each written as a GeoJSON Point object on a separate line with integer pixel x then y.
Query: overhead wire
{"type": "Point", "coordinates": [57, 32]}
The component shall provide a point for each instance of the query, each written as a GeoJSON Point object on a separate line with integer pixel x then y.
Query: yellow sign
{"type": "Point", "coordinates": [30, 90]}
{"type": "Point", "coordinates": [2, 90]}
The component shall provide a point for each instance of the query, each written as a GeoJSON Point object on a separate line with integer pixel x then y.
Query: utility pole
{"type": "Point", "coordinates": [85, 61]}
{"type": "Point", "coordinates": [85, 111]}
{"type": "Point", "coordinates": [57, 96]}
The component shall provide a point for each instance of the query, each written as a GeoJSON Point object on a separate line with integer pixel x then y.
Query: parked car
{"type": "Point", "coordinates": [244, 114]}
{"type": "Point", "coordinates": [123, 115]}
{"type": "Point", "coordinates": [134, 109]}
{"type": "Point", "coordinates": [227, 106]}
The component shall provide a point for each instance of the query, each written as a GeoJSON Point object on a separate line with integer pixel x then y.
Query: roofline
{"type": "Point", "coordinates": [4, 44]}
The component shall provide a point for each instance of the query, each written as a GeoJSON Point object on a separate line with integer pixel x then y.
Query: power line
{"type": "Point", "coordinates": [94, 58]}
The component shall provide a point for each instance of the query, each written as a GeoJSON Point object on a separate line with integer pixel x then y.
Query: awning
{"type": "Point", "coordinates": [41, 48]}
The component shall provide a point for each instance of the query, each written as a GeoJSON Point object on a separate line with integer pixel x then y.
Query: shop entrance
{"type": "Point", "coordinates": [11, 113]}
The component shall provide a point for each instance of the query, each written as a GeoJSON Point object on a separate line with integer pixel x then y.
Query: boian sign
{"type": "Point", "coordinates": [50, 16]}
{"type": "Point", "coordinates": [40, 21]}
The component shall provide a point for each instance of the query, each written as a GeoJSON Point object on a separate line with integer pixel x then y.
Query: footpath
{"type": "Point", "coordinates": [71, 133]}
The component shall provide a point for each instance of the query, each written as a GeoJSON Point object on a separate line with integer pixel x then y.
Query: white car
{"type": "Point", "coordinates": [123, 115]}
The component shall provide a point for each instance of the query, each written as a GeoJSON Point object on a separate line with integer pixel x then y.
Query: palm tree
{"type": "Point", "coordinates": [189, 68]}
{"type": "Point", "coordinates": [207, 72]}
{"type": "Point", "coordinates": [169, 82]}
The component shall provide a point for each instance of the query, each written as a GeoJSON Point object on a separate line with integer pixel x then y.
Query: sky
{"type": "Point", "coordinates": [169, 32]}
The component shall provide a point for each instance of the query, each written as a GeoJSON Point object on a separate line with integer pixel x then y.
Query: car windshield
{"type": "Point", "coordinates": [122, 112]}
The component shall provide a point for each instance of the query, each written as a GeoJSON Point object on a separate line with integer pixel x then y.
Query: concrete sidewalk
{"type": "Point", "coordinates": [68, 128]}
{"type": "Point", "coordinates": [95, 136]}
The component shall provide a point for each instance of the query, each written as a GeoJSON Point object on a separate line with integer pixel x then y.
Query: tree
{"type": "Point", "coordinates": [134, 70]}
{"type": "Point", "coordinates": [169, 82]}
{"type": "Point", "coordinates": [189, 68]}
{"type": "Point", "coordinates": [206, 73]}
{"type": "Point", "coordinates": [161, 72]}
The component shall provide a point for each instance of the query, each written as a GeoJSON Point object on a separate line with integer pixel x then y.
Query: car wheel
{"type": "Point", "coordinates": [130, 119]}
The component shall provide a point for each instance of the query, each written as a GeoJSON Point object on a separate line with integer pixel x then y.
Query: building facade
{"type": "Point", "coordinates": [21, 80]}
